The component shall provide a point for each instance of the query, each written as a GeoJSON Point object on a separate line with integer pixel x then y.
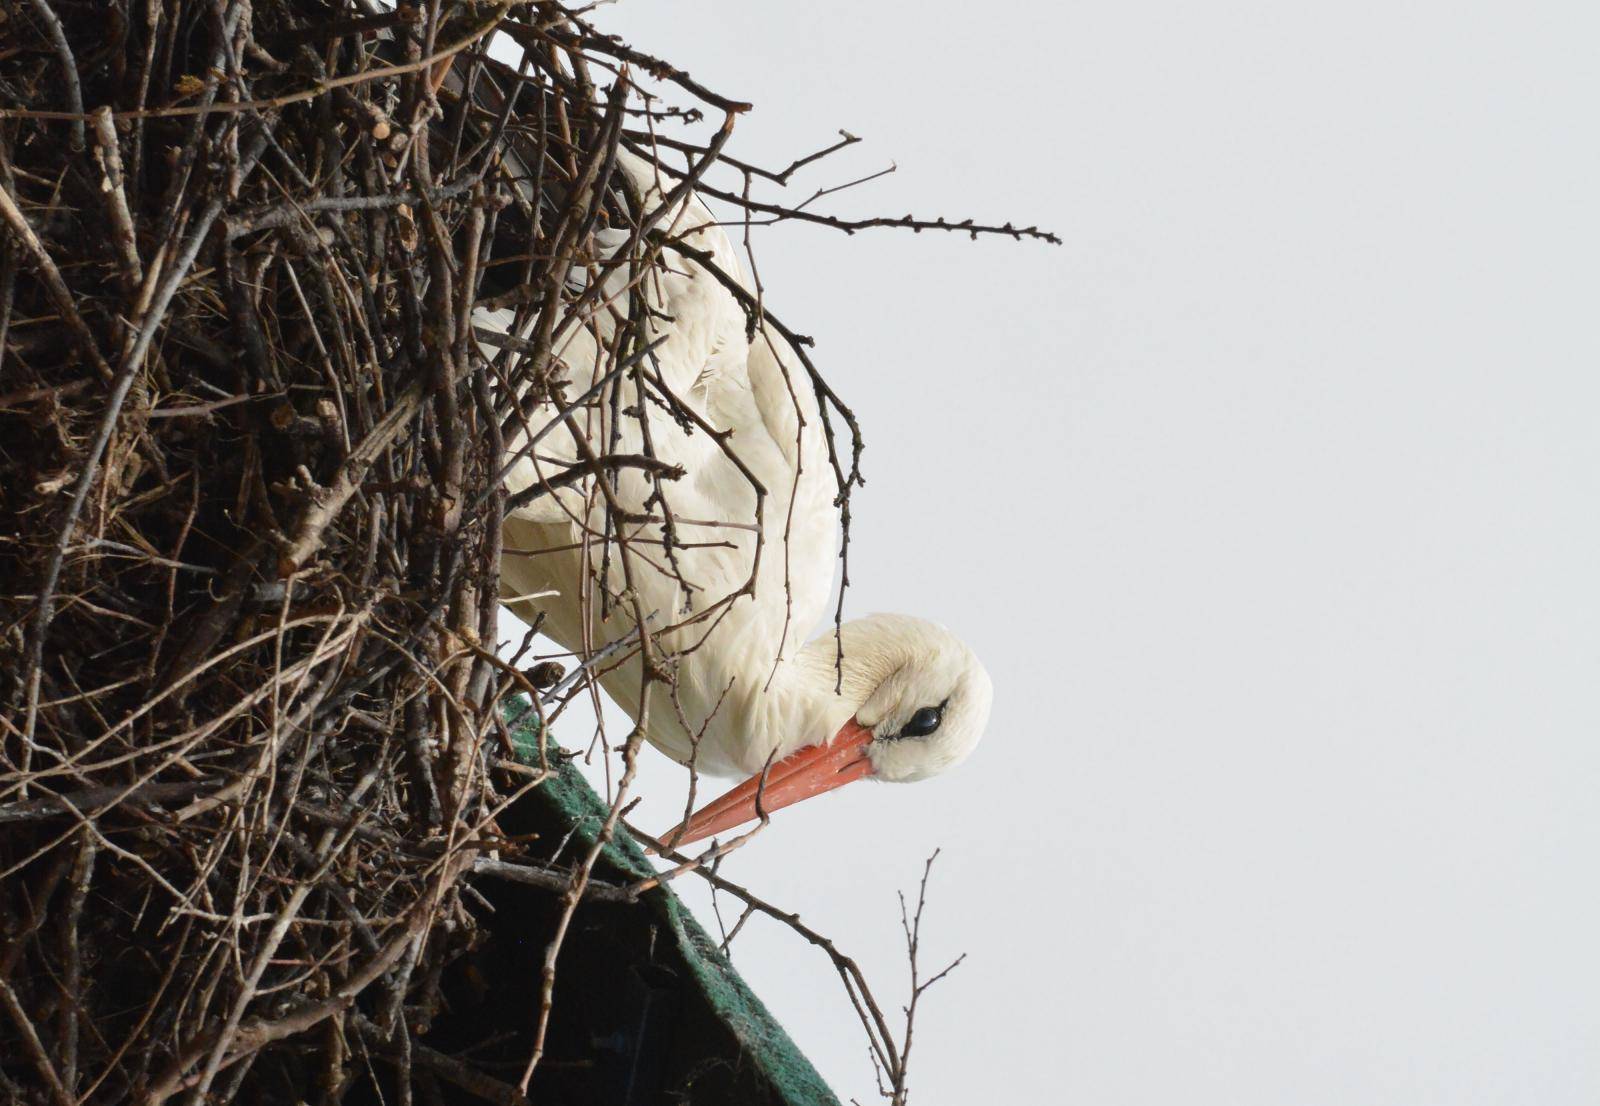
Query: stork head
{"type": "Point", "coordinates": [922, 695]}
{"type": "Point", "coordinates": [915, 700]}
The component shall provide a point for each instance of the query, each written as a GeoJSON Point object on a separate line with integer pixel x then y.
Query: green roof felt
{"type": "Point", "coordinates": [764, 1042]}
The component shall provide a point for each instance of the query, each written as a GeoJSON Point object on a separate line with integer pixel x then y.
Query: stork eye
{"type": "Point", "coordinates": [924, 722]}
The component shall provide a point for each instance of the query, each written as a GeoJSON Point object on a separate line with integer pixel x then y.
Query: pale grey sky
{"type": "Point", "coordinates": [1270, 502]}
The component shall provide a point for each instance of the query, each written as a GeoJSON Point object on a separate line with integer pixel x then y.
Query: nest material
{"type": "Point", "coordinates": [250, 452]}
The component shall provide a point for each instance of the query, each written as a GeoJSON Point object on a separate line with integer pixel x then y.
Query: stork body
{"type": "Point", "coordinates": [755, 692]}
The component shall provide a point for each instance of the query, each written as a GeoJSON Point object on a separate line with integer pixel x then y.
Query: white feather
{"type": "Point", "coordinates": [776, 690]}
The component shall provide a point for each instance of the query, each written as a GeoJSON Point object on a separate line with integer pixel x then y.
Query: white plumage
{"type": "Point", "coordinates": [756, 691]}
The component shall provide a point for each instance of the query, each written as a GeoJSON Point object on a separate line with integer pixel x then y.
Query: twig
{"type": "Point", "coordinates": [109, 153]}
{"type": "Point", "coordinates": [855, 983]}
{"type": "Point", "coordinates": [54, 284]}
{"type": "Point", "coordinates": [899, 1090]}
{"type": "Point", "coordinates": [30, 1039]}
{"type": "Point", "coordinates": [69, 66]}
{"type": "Point", "coordinates": [551, 880]}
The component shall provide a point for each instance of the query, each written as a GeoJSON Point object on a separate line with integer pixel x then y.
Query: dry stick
{"type": "Point", "coordinates": [647, 673]}
{"type": "Point", "coordinates": [727, 941]}
{"type": "Point", "coordinates": [330, 848]}
{"type": "Point", "coordinates": [151, 317]}
{"type": "Point", "coordinates": [278, 737]}
{"type": "Point", "coordinates": [777, 176]}
{"type": "Point", "coordinates": [525, 450]}
{"type": "Point", "coordinates": [568, 232]}
{"type": "Point", "coordinates": [903, 222]}
{"type": "Point", "coordinates": [340, 28]}
{"type": "Point", "coordinates": [252, 1038]}
{"type": "Point", "coordinates": [72, 975]}
{"type": "Point", "coordinates": [825, 396]}
{"type": "Point", "coordinates": [341, 898]}
{"type": "Point", "coordinates": [447, 1067]}
{"type": "Point", "coordinates": [493, 547]}
{"type": "Point", "coordinates": [36, 1050]}
{"type": "Point", "coordinates": [227, 985]}
{"type": "Point", "coordinates": [45, 608]}
{"type": "Point", "coordinates": [550, 696]}
{"type": "Point", "coordinates": [8, 289]}
{"type": "Point", "coordinates": [574, 894]}
{"type": "Point", "coordinates": [286, 213]}
{"type": "Point", "coordinates": [913, 933]}
{"type": "Point", "coordinates": [610, 44]}
{"type": "Point", "coordinates": [52, 806]}
{"type": "Point", "coordinates": [110, 155]}
{"type": "Point", "coordinates": [153, 1004]}
{"type": "Point", "coordinates": [694, 762]}
{"type": "Point", "coordinates": [634, 740]}
{"type": "Point", "coordinates": [187, 741]}
{"type": "Point", "coordinates": [469, 607]}
{"type": "Point", "coordinates": [150, 704]}
{"type": "Point", "coordinates": [288, 98]}
{"type": "Point", "coordinates": [855, 983]}
{"type": "Point", "coordinates": [550, 880]}
{"type": "Point", "coordinates": [451, 365]}
{"type": "Point", "coordinates": [327, 502]}
{"type": "Point", "coordinates": [60, 295]}
{"type": "Point", "coordinates": [584, 234]}
{"type": "Point", "coordinates": [252, 982]}
{"type": "Point", "coordinates": [36, 905]}
{"type": "Point", "coordinates": [520, 345]}
{"type": "Point", "coordinates": [633, 330]}
{"type": "Point", "coordinates": [69, 67]}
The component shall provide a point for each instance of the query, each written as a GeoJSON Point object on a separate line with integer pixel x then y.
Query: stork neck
{"type": "Point", "coordinates": [825, 687]}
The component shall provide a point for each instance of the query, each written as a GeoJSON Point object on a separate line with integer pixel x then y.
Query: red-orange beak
{"type": "Point", "coordinates": [811, 771]}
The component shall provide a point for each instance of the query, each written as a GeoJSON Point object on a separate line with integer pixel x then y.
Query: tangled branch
{"type": "Point", "coordinates": [257, 450]}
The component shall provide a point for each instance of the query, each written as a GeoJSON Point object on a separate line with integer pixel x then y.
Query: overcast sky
{"type": "Point", "coordinates": [1270, 502]}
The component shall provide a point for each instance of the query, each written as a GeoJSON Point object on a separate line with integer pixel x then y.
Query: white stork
{"type": "Point", "coordinates": [755, 698]}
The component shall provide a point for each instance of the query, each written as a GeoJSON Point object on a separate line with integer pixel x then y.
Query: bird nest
{"type": "Point", "coordinates": [252, 445]}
